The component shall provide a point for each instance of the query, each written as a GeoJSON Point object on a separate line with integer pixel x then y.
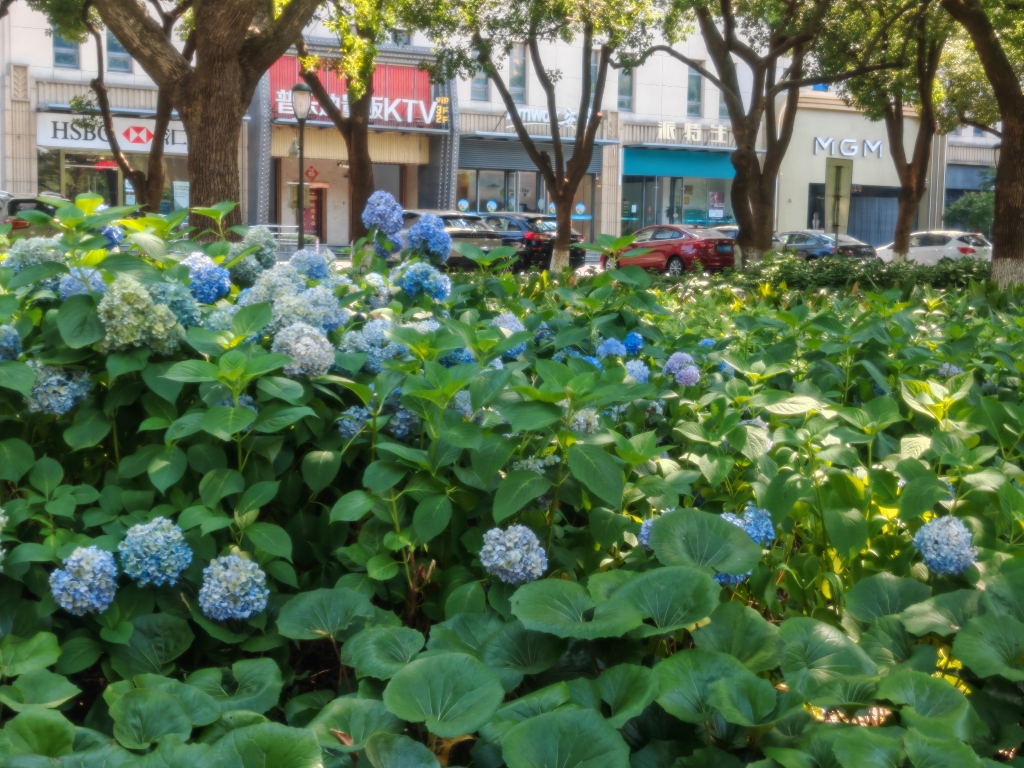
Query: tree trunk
{"type": "Point", "coordinates": [563, 236]}
{"type": "Point", "coordinates": [748, 206]}
{"type": "Point", "coordinates": [360, 167]}
{"type": "Point", "coordinates": [906, 211]}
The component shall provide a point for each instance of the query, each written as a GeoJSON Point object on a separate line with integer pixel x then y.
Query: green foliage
{"type": "Point", "coordinates": [975, 212]}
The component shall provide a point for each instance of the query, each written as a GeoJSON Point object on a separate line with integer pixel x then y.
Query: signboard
{"type": "Point", "coordinates": [848, 147]}
{"type": "Point", "coordinates": [402, 96]}
{"type": "Point", "coordinates": [135, 134]}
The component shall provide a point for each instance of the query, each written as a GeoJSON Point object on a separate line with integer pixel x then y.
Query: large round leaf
{"type": "Point", "coordinates": [864, 748]}
{"type": "Point", "coordinates": [269, 744]}
{"type": "Point", "coordinates": [943, 614]}
{"type": "Point", "coordinates": [670, 598]}
{"type": "Point", "coordinates": [40, 732]}
{"type": "Point", "coordinates": [516, 711]}
{"type": "Point", "coordinates": [156, 640]}
{"type": "Point", "coordinates": [322, 613]}
{"type": "Point", "coordinates": [142, 716]}
{"type": "Point", "coordinates": [745, 700]}
{"type": "Point", "coordinates": [201, 707]}
{"type": "Point", "coordinates": [38, 688]}
{"type": "Point", "coordinates": [254, 684]}
{"type": "Point", "coordinates": [689, 537]}
{"type": "Point", "coordinates": [992, 645]}
{"type": "Point", "coordinates": [571, 739]}
{"type": "Point", "coordinates": [888, 642]}
{"type": "Point", "coordinates": [560, 608]}
{"type": "Point", "coordinates": [452, 693]}
{"type": "Point", "coordinates": [685, 679]}
{"type": "Point", "coordinates": [358, 719]}
{"type": "Point", "coordinates": [931, 704]}
{"type": "Point", "coordinates": [386, 750]}
{"type": "Point", "coordinates": [522, 650]}
{"type": "Point", "coordinates": [381, 651]}
{"type": "Point", "coordinates": [817, 653]}
{"type": "Point", "coordinates": [742, 632]}
{"type": "Point", "coordinates": [627, 689]}
{"type": "Point", "coordinates": [938, 752]}
{"type": "Point", "coordinates": [884, 595]}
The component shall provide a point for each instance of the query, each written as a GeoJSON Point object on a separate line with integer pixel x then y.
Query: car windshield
{"type": "Point", "coordinates": [466, 222]}
{"type": "Point", "coordinates": [543, 225]}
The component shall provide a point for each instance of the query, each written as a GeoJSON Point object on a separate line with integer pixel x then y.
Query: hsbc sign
{"type": "Point", "coordinates": [135, 135]}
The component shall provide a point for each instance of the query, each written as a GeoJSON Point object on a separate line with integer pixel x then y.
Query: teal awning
{"type": "Point", "coordinates": [640, 161]}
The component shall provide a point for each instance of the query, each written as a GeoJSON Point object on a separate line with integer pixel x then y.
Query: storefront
{"type": "Point", "coordinates": [676, 186]}
{"type": "Point", "coordinates": [410, 146]}
{"type": "Point", "coordinates": [75, 157]}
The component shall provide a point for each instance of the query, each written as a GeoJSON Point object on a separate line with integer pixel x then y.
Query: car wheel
{"type": "Point", "coordinates": [675, 267]}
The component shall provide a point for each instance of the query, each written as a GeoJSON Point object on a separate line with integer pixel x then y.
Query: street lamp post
{"type": "Point", "coordinates": [302, 96]}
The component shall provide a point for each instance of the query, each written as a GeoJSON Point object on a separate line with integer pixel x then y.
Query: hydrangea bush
{"type": "Point", "coordinates": [300, 515]}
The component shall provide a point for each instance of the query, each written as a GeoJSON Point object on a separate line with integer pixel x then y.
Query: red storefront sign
{"type": "Point", "coordinates": [402, 96]}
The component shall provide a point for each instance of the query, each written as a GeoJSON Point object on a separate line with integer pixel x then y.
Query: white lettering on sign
{"type": "Point", "coordinates": [284, 105]}
{"type": "Point", "coordinates": [133, 134]}
{"type": "Point", "coordinates": [381, 108]}
{"type": "Point", "coordinates": [539, 116]}
{"type": "Point", "coordinates": [848, 147]}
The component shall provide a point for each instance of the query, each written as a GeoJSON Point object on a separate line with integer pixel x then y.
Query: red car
{"type": "Point", "coordinates": [674, 249]}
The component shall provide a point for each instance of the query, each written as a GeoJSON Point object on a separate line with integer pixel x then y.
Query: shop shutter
{"type": "Point", "coordinates": [873, 219]}
{"type": "Point", "coordinates": [504, 155]}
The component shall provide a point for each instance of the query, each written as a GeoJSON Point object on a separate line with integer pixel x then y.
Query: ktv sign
{"type": "Point", "coordinates": [135, 135]}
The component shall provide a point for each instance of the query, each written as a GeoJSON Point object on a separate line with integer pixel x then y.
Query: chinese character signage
{"type": "Point", "coordinates": [402, 96]}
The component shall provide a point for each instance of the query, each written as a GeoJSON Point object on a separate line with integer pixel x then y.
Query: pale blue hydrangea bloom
{"type": "Point", "coordinates": [515, 556]}
{"type": "Point", "coordinates": [73, 284]}
{"type": "Point", "coordinates": [266, 252]}
{"type": "Point", "coordinates": [315, 306]}
{"type": "Point", "coordinates": [428, 237]}
{"type": "Point", "coordinates": [10, 343]}
{"type": "Point", "coordinates": [56, 391]}
{"type": "Point", "coordinates": [155, 552]}
{"type": "Point", "coordinates": [536, 463]}
{"type": "Point", "coordinates": [496, 364]}
{"type": "Point", "coordinates": [948, 370]}
{"type": "Point", "coordinates": [132, 319]}
{"type": "Point", "coordinates": [208, 281]}
{"type": "Point", "coordinates": [381, 295]}
{"type": "Point", "coordinates": [336, 280]}
{"type": "Point", "coordinates": [561, 354]}
{"type": "Point", "coordinates": [638, 371]}
{"type": "Point", "coordinates": [463, 403]}
{"type": "Point", "coordinates": [353, 419]}
{"type": "Point", "coordinates": [585, 422]}
{"type": "Point", "coordinates": [676, 363]}
{"type": "Point", "coordinates": [87, 583]}
{"type": "Point", "coordinates": [512, 324]}
{"type": "Point", "coordinates": [688, 376]}
{"type": "Point", "coordinates": [310, 264]}
{"type": "Point", "coordinates": [31, 251]}
{"type": "Point", "coordinates": [244, 272]}
{"type": "Point", "coordinates": [421, 277]}
{"type": "Point", "coordinates": [402, 423]}
{"type": "Point", "coordinates": [221, 318]}
{"type": "Point", "coordinates": [233, 588]}
{"type": "Point", "coordinates": [383, 212]}
{"type": "Point", "coordinates": [633, 342]}
{"type": "Point", "coordinates": [371, 340]}
{"type": "Point", "coordinates": [759, 527]}
{"type": "Point", "coordinates": [707, 343]}
{"type": "Point", "coordinates": [645, 533]}
{"type": "Point", "coordinates": [179, 299]}
{"type": "Point", "coordinates": [611, 348]}
{"type": "Point", "coordinates": [280, 280]}
{"type": "Point", "coordinates": [945, 545]}
{"type": "Point", "coordinates": [311, 353]}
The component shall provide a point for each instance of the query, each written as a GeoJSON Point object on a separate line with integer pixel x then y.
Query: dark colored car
{"type": "Point", "coordinates": [675, 249]}
{"type": "Point", "coordinates": [810, 244]}
{"type": "Point", "coordinates": [536, 233]}
{"type": "Point", "coordinates": [22, 228]}
{"type": "Point", "coordinates": [733, 231]}
{"type": "Point", "coordinates": [463, 228]}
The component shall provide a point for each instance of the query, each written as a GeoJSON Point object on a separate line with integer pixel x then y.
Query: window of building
{"type": "Point", "coordinates": [723, 109]}
{"type": "Point", "coordinates": [118, 58]}
{"type": "Point", "coordinates": [517, 73]}
{"type": "Point", "coordinates": [595, 63]}
{"type": "Point", "coordinates": [399, 37]}
{"type": "Point", "coordinates": [626, 90]}
{"type": "Point", "coordinates": [978, 131]}
{"type": "Point", "coordinates": [821, 86]}
{"type": "Point", "coordinates": [694, 93]}
{"type": "Point", "coordinates": [65, 53]}
{"type": "Point", "coordinates": [480, 88]}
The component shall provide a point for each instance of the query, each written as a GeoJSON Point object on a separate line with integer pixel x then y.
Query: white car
{"type": "Point", "coordinates": [929, 247]}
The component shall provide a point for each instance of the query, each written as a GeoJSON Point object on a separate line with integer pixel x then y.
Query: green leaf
{"type": "Point", "coordinates": [281, 388]}
{"type": "Point", "coordinates": [864, 748]}
{"type": "Point", "coordinates": [218, 483]}
{"type": "Point", "coordinates": [359, 719]}
{"type": "Point", "coordinates": [192, 371]}
{"type": "Point", "coordinates": [742, 633]}
{"type": "Point", "coordinates": [89, 429]}
{"type": "Point", "coordinates": [381, 567]}
{"type": "Point", "coordinates": [817, 653]}
{"type": "Point", "coordinates": [271, 538]}
{"type": "Point", "coordinates": [847, 530]}
{"type": "Point", "coordinates": [46, 476]}
{"type": "Point", "coordinates": [516, 490]}
{"type": "Point", "coordinates": [201, 708]}
{"type": "Point", "coordinates": [143, 716]}
{"type": "Point", "coordinates": [627, 689]}
{"type": "Point", "coordinates": [223, 421]}
{"type": "Point", "coordinates": [494, 453]}
{"type": "Point", "coordinates": [452, 693]}
{"type": "Point", "coordinates": [381, 475]}
{"type": "Point", "coordinates": [257, 495]}
{"type": "Point", "coordinates": [167, 467]}
{"type": "Point", "coordinates": [598, 471]}
{"type": "Point", "coordinates": [689, 537]}
{"type": "Point", "coordinates": [467, 598]}
{"type": "Point", "coordinates": [17, 376]}
{"type": "Point", "coordinates": [931, 704]}
{"type": "Point", "coordinates": [352, 507]}
{"type": "Point", "coordinates": [322, 613]}
{"type": "Point", "coordinates": [77, 654]}
{"type": "Point", "coordinates": [925, 752]}
{"type": "Point", "coordinates": [992, 645]}
{"type": "Point", "coordinates": [19, 656]}
{"type": "Point", "coordinates": [670, 598]}
{"type": "Point", "coordinates": [883, 595]}
{"type": "Point", "coordinates": [269, 744]}
{"type": "Point", "coordinates": [16, 458]}
{"type": "Point", "coordinates": [158, 639]}
{"type": "Point", "coordinates": [744, 700]}
{"type": "Point", "coordinates": [520, 650]}
{"type": "Point", "coordinates": [509, 715]}
{"type": "Point", "coordinates": [251, 319]}
{"type": "Point", "coordinates": [431, 517]}
{"type": "Point", "coordinates": [256, 685]}
{"type": "Point", "coordinates": [531, 416]}
{"type": "Point", "coordinates": [40, 732]}
{"type": "Point", "coordinates": [38, 688]}
{"type": "Point", "coordinates": [389, 750]}
{"type": "Point", "coordinates": [943, 614]}
{"type": "Point", "coordinates": [275, 417]}
{"type": "Point", "coordinates": [685, 679]}
{"type": "Point", "coordinates": [78, 322]}
{"type": "Point", "coordinates": [561, 608]}
{"type": "Point", "coordinates": [381, 651]}
{"type": "Point", "coordinates": [920, 495]}
{"type": "Point", "coordinates": [568, 739]}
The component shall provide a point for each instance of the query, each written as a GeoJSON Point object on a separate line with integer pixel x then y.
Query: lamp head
{"type": "Point", "coordinates": [302, 97]}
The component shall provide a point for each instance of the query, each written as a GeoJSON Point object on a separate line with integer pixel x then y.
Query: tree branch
{"type": "Point", "coordinates": [5, 6]}
{"type": "Point", "coordinates": [549, 92]}
{"type": "Point", "coordinates": [144, 37]}
{"type": "Point", "coordinates": [312, 79]}
{"type": "Point", "coordinates": [691, 63]}
{"type": "Point", "coordinates": [261, 50]}
{"type": "Point", "coordinates": [982, 126]}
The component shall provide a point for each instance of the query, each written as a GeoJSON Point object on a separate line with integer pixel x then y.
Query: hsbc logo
{"type": "Point", "coordinates": [137, 134]}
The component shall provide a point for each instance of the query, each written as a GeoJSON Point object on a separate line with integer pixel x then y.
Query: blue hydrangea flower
{"type": "Point", "coordinates": [707, 343]}
{"type": "Point", "coordinates": [423, 278]}
{"type": "Point", "coordinates": [233, 588]}
{"type": "Point", "coordinates": [10, 343]}
{"type": "Point", "coordinates": [381, 296]}
{"type": "Point", "coordinates": [948, 370]}
{"type": "Point", "coordinates": [726, 370]}
{"type": "Point", "coordinates": [512, 324]}
{"type": "Point", "coordinates": [221, 318]}
{"type": "Point", "coordinates": [676, 363]}
{"type": "Point", "coordinates": [688, 376]}
{"type": "Point", "coordinates": [309, 263]}
{"type": "Point", "coordinates": [315, 306]}
{"type": "Point", "coordinates": [113, 234]}
{"type": "Point", "coordinates": [402, 423]}
{"type": "Point", "coordinates": [515, 556]}
{"type": "Point", "coordinates": [633, 342]}
{"type": "Point", "coordinates": [570, 352]}
{"type": "Point", "coordinates": [352, 421]}
{"type": "Point", "coordinates": [463, 403]}
{"type": "Point", "coordinates": [155, 552]}
{"type": "Point", "coordinates": [585, 422]}
{"type": "Point", "coordinates": [383, 212]}
{"type": "Point", "coordinates": [87, 583]}
{"type": "Point", "coordinates": [179, 299]}
{"type": "Point", "coordinates": [72, 283]}
{"type": "Point", "coordinates": [372, 340]}
{"type": "Point", "coordinates": [57, 391]}
{"type": "Point", "coordinates": [278, 281]}
{"type": "Point", "coordinates": [731, 579]}
{"type": "Point", "coordinates": [208, 282]}
{"type": "Point", "coordinates": [311, 353]}
{"type": "Point", "coordinates": [611, 348]}
{"type": "Point", "coordinates": [30, 251]}
{"type": "Point", "coordinates": [759, 527]}
{"type": "Point", "coordinates": [458, 357]}
{"type": "Point", "coordinates": [266, 252]}
{"type": "Point", "coordinates": [428, 237]}
{"type": "Point", "coordinates": [638, 371]}
{"type": "Point", "coordinates": [645, 533]}
{"type": "Point", "coordinates": [945, 545]}
{"type": "Point", "coordinates": [543, 333]}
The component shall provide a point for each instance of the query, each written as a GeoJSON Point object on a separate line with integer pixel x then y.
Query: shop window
{"type": "Point", "coordinates": [118, 58]}
{"type": "Point", "coordinates": [723, 109]}
{"type": "Point", "coordinates": [465, 190]}
{"type": "Point", "coordinates": [517, 73]}
{"type": "Point", "coordinates": [65, 53]}
{"type": "Point", "coordinates": [595, 65]}
{"type": "Point", "coordinates": [492, 191]}
{"type": "Point", "coordinates": [480, 88]}
{"type": "Point", "coordinates": [91, 172]}
{"type": "Point", "coordinates": [625, 90]}
{"type": "Point", "coordinates": [694, 93]}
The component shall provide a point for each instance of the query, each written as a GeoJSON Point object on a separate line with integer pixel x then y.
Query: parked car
{"type": "Point", "coordinates": [463, 228]}
{"type": "Point", "coordinates": [536, 233]}
{"type": "Point", "coordinates": [675, 249]}
{"type": "Point", "coordinates": [815, 244]}
{"type": "Point", "coordinates": [929, 247]}
{"type": "Point", "coordinates": [21, 228]}
{"type": "Point", "coordinates": [733, 231]}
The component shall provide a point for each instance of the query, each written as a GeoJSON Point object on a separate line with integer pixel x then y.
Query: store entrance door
{"type": "Point", "coordinates": [313, 214]}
